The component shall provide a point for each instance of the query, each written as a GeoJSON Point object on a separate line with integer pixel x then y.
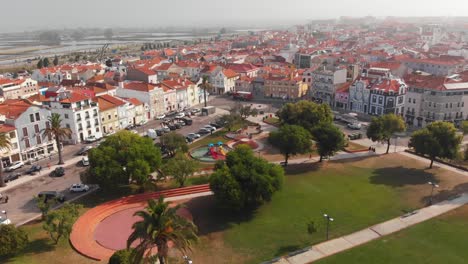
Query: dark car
{"type": "Point", "coordinates": [189, 139]}
{"type": "Point", "coordinates": [188, 121]}
{"type": "Point", "coordinates": [33, 169]}
{"type": "Point", "coordinates": [48, 195]}
{"type": "Point", "coordinates": [58, 172]}
{"type": "Point", "coordinates": [178, 125]}
{"type": "Point", "coordinates": [84, 150]}
{"type": "Point", "coordinates": [12, 177]}
{"type": "Point", "coordinates": [171, 127]}
{"type": "Point", "coordinates": [159, 132]}
{"type": "Point", "coordinates": [216, 125]}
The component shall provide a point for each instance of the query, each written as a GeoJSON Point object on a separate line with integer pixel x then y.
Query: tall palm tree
{"type": "Point", "coordinates": [4, 144]}
{"type": "Point", "coordinates": [159, 225]}
{"type": "Point", "coordinates": [58, 132]}
{"type": "Point", "coordinates": [205, 85]}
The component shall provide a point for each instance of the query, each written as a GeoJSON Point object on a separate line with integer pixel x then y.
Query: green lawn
{"type": "Point", "coordinates": [440, 240]}
{"type": "Point", "coordinates": [273, 121]}
{"type": "Point", "coordinates": [357, 194]}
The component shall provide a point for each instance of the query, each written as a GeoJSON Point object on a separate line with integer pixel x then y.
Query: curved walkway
{"type": "Point", "coordinates": [82, 237]}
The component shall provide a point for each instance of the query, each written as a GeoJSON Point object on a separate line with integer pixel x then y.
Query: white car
{"type": "Point", "coordinates": [85, 161]}
{"type": "Point", "coordinates": [15, 165]}
{"type": "Point", "coordinates": [79, 187]}
{"type": "Point", "coordinates": [160, 117]}
{"type": "Point", "coordinates": [355, 126]}
{"type": "Point", "coordinates": [193, 135]}
{"type": "Point", "coordinates": [180, 115]}
{"type": "Point", "coordinates": [210, 128]}
{"type": "Point", "coordinates": [4, 221]}
{"type": "Point", "coordinates": [92, 139]}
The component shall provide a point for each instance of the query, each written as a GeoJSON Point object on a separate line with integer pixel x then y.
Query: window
{"type": "Point", "coordinates": [450, 105]}
{"type": "Point", "coordinates": [36, 128]}
{"type": "Point", "coordinates": [414, 101]}
{"type": "Point", "coordinates": [25, 131]}
{"type": "Point", "coordinates": [430, 104]}
{"type": "Point", "coordinates": [38, 117]}
{"type": "Point", "coordinates": [26, 142]}
{"type": "Point", "coordinates": [12, 135]}
{"type": "Point", "coordinates": [14, 145]}
{"type": "Point", "coordinates": [409, 100]}
{"type": "Point", "coordinates": [31, 118]}
{"type": "Point", "coordinates": [66, 116]}
{"type": "Point", "coordinates": [380, 100]}
{"type": "Point", "coordinates": [374, 99]}
{"type": "Point", "coordinates": [446, 105]}
{"type": "Point", "coordinates": [38, 139]}
{"type": "Point", "coordinates": [109, 116]}
{"type": "Point", "coordinates": [67, 125]}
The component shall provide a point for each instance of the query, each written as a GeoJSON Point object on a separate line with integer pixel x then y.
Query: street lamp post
{"type": "Point", "coordinates": [329, 219]}
{"type": "Point", "coordinates": [433, 185]}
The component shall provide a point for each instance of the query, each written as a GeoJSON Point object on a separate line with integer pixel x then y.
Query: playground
{"type": "Point", "coordinates": [211, 153]}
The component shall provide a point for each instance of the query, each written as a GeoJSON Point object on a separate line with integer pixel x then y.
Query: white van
{"type": "Point", "coordinates": [152, 133]}
{"type": "Point", "coordinates": [85, 161]}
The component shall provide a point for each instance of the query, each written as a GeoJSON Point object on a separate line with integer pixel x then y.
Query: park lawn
{"type": "Point", "coordinates": [439, 240]}
{"type": "Point", "coordinates": [353, 146]}
{"type": "Point", "coordinates": [356, 193]}
{"type": "Point", "coordinates": [272, 121]}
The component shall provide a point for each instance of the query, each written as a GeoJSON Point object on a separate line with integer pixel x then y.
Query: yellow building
{"type": "Point", "coordinates": [285, 87]}
{"type": "Point", "coordinates": [109, 112]}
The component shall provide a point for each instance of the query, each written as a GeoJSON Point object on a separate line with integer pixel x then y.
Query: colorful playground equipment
{"type": "Point", "coordinates": [216, 151]}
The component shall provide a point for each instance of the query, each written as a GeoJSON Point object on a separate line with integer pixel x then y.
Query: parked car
{"type": "Point", "coordinates": [159, 132]}
{"type": "Point", "coordinates": [195, 110]}
{"type": "Point", "coordinates": [216, 125]}
{"type": "Point", "coordinates": [33, 169]}
{"type": "Point", "coordinates": [203, 131]}
{"type": "Point", "coordinates": [188, 121]}
{"type": "Point", "coordinates": [58, 172]}
{"type": "Point", "coordinates": [85, 161]}
{"type": "Point", "coordinates": [180, 115]}
{"type": "Point", "coordinates": [130, 127]}
{"type": "Point", "coordinates": [142, 122]}
{"type": "Point", "coordinates": [14, 166]}
{"type": "Point", "coordinates": [84, 150]}
{"type": "Point", "coordinates": [4, 221]}
{"type": "Point", "coordinates": [171, 127]}
{"type": "Point", "coordinates": [79, 187]}
{"type": "Point", "coordinates": [177, 125]}
{"type": "Point", "coordinates": [189, 139]}
{"type": "Point", "coordinates": [160, 117]}
{"type": "Point", "coordinates": [355, 126]}
{"type": "Point", "coordinates": [166, 129]}
{"type": "Point", "coordinates": [92, 139]}
{"type": "Point", "coordinates": [48, 195]}
{"type": "Point", "coordinates": [193, 135]}
{"type": "Point", "coordinates": [210, 128]}
{"type": "Point", "coordinates": [12, 177]}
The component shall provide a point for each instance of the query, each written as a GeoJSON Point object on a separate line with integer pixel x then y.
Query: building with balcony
{"type": "Point", "coordinates": [112, 112]}
{"type": "Point", "coordinates": [325, 83]}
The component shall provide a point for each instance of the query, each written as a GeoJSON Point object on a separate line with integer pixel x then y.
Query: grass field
{"type": "Point", "coordinates": [438, 241]}
{"type": "Point", "coordinates": [357, 194]}
{"type": "Point", "coordinates": [273, 121]}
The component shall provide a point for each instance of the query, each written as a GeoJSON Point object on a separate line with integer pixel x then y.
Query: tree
{"type": "Point", "coordinates": [44, 205]}
{"type": "Point", "coordinates": [464, 127]}
{"type": "Point", "coordinates": [437, 140]}
{"type": "Point", "coordinates": [40, 65]}
{"type": "Point", "coordinates": [56, 60]}
{"type": "Point", "coordinates": [121, 158]}
{"type": "Point", "coordinates": [159, 225]}
{"type": "Point", "coordinates": [245, 181]}
{"type": "Point", "coordinates": [58, 223]}
{"type": "Point", "coordinates": [205, 85]}
{"type": "Point", "coordinates": [382, 128]}
{"type": "Point", "coordinates": [306, 114]}
{"type": "Point", "coordinates": [180, 168]}
{"type": "Point", "coordinates": [174, 142]}
{"type": "Point", "coordinates": [291, 140]}
{"type": "Point", "coordinates": [243, 111]}
{"type": "Point", "coordinates": [230, 120]}
{"type": "Point", "coordinates": [329, 139]}
{"type": "Point", "coordinates": [12, 240]}
{"type": "Point", "coordinates": [108, 33]}
{"type": "Point", "coordinates": [45, 62]}
{"type": "Point", "coordinates": [4, 145]}
{"type": "Point", "coordinates": [123, 256]}
{"type": "Point", "coordinates": [55, 130]}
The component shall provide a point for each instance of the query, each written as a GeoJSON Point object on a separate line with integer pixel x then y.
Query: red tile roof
{"type": "Point", "coordinates": [6, 128]}
{"type": "Point", "coordinates": [13, 108]}
{"type": "Point", "coordinates": [107, 102]}
{"type": "Point", "coordinates": [139, 86]}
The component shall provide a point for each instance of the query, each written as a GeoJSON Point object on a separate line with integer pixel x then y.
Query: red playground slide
{"type": "Point", "coordinates": [213, 153]}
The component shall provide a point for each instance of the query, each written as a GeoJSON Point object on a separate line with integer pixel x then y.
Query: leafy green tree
{"type": "Point", "coordinates": [56, 60]}
{"type": "Point", "coordinates": [180, 168]}
{"type": "Point", "coordinates": [160, 224]}
{"type": "Point", "coordinates": [382, 128]}
{"type": "Point", "coordinates": [329, 139]}
{"type": "Point", "coordinates": [291, 140]}
{"type": "Point", "coordinates": [306, 114]}
{"type": "Point", "coordinates": [245, 181]}
{"type": "Point", "coordinates": [174, 142]}
{"type": "Point", "coordinates": [205, 85]}
{"type": "Point", "coordinates": [243, 111]}
{"type": "Point", "coordinates": [12, 240]}
{"type": "Point", "coordinates": [230, 120]}
{"type": "Point", "coordinates": [436, 140]}
{"type": "Point", "coordinates": [46, 62]}
{"type": "Point", "coordinates": [4, 145]}
{"type": "Point", "coordinates": [121, 158]}
{"type": "Point", "coordinates": [40, 65]}
{"type": "Point", "coordinates": [55, 130]}
{"type": "Point", "coordinates": [123, 256]}
{"type": "Point", "coordinates": [58, 223]}
{"type": "Point", "coordinates": [43, 205]}
{"type": "Point", "coordinates": [464, 127]}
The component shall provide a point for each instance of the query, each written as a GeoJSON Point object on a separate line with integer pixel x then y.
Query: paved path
{"type": "Point", "coordinates": [343, 243]}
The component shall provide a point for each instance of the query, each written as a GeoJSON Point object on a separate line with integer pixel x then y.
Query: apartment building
{"type": "Point", "coordinates": [18, 88]}
{"type": "Point", "coordinates": [325, 84]}
{"type": "Point", "coordinates": [13, 153]}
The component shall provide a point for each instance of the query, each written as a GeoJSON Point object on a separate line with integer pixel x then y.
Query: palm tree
{"type": "Point", "coordinates": [55, 129]}
{"type": "Point", "coordinates": [205, 85]}
{"type": "Point", "coordinates": [4, 144]}
{"type": "Point", "coordinates": [159, 225]}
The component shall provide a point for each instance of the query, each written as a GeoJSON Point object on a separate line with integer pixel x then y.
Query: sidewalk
{"type": "Point", "coordinates": [343, 243]}
{"type": "Point", "coordinates": [44, 172]}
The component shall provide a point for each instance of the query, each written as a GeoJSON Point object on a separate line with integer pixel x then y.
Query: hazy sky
{"type": "Point", "coordinates": [34, 14]}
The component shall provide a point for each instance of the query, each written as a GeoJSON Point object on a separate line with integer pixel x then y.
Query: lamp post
{"type": "Point", "coordinates": [329, 219]}
{"type": "Point", "coordinates": [433, 185]}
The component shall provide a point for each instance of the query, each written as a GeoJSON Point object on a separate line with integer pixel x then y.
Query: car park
{"type": "Point", "coordinates": [12, 177]}
{"type": "Point", "coordinates": [79, 187]}
{"type": "Point", "coordinates": [33, 169]}
{"type": "Point", "coordinates": [84, 150]}
{"type": "Point", "coordinates": [48, 195]}
{"type": "Point", "coordinates": [58, 172]}
{"type": "Point", "coordinates": [14, 166]}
